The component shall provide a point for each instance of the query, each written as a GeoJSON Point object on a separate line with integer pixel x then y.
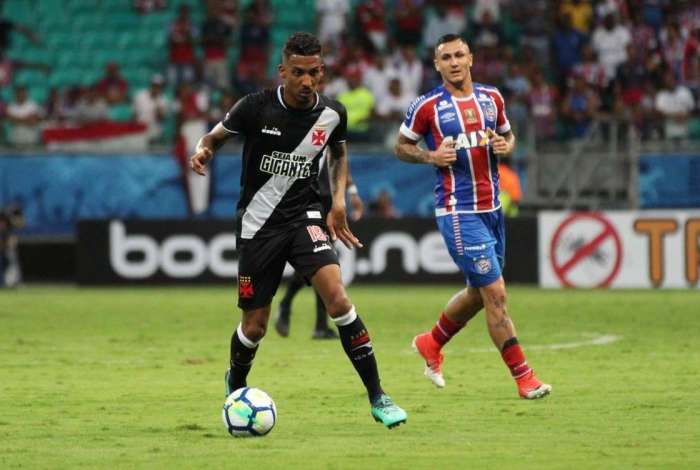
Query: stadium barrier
{"type": "Point", "coordinates": [188, 251]}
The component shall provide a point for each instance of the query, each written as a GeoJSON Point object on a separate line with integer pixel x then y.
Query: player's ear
{"type": "Point", "coordinates": [470, 59]}
{"type": "Point", "coordinates": [282, 71]}
{"type": "Point", "coordinates": [435, 64]}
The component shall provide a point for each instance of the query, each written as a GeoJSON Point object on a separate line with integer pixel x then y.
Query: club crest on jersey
{"type": "Point", "coordinates": [245, 287]}
{"type": "Point", "coordinates": [471, 116]}
{"type": "Point", "coordinates": [473, 139]}
{"type": "Point", "coordinates": [286, 164]}
{"type": "Point", "coordinates": [482, 265]}
{"type": "Point", "coordinates": [489, 111]}
{"type": "Point", "coordinates": [318, 137]}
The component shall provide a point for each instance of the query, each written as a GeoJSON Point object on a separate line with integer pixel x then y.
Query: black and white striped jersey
{"type": "Point", "coordinates": [281, 154]}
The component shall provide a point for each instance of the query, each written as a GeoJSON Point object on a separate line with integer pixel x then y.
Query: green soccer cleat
{"type": "Point", "coordinates": [385, 411]}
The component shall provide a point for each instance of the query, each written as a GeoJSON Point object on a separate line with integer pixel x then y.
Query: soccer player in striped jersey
{"type": "Point", "coordinates": [465, 128]}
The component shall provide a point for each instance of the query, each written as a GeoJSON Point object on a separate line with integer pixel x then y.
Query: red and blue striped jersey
{"type": "Point", "coordinates": [471, 183]}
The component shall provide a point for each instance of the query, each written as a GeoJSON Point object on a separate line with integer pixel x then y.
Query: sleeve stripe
{"type": "Point", "coordinates": [504, 128]}
{"type": "Point", "coordinates": [420, 106]}
{"type": "Point", "coordinates": [227, 129]}
{"type": "Point", "coordinates": [409, 133]}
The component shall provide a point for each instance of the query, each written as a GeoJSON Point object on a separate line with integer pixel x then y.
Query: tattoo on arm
{"type": "Point", "coordinates": [408, 151]}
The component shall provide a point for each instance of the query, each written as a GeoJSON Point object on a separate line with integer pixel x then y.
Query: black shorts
{"type": "Point", "coordinates": [261, 261]}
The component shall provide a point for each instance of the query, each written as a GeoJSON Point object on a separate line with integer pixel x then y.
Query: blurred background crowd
{"type": "Point", "coordinates": [164, 64]}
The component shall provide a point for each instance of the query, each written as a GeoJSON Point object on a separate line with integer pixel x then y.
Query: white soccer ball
{"type": "Point", "coordinates": [249, 412]}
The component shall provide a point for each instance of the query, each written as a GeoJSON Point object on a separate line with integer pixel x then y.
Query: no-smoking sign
{"type": "Point", "coordinates": [585, 251]}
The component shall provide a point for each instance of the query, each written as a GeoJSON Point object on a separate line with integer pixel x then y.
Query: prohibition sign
{"type": "Point", "coordinates": [563, 267]}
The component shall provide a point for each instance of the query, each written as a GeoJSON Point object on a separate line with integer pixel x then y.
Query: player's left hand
{"type": "Point", "coordinates": [499, 144]}
{"type": "Point", "coordinates": [337, 222]}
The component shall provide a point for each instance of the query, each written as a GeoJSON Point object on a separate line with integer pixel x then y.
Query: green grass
{"type": "Point", "coordinates": [134, 378]}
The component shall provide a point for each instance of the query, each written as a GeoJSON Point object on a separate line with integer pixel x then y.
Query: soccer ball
{"type": "Point", "coordinates": [249, 412]}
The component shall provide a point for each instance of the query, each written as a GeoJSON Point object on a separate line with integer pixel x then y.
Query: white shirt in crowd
{"type": "Point", "coordinates": [331, 14]}
{"type": "Point", "coordinates": [147, 108]}
{"type": "Point", "coordinates": [678, 101]}
{"type": "Point", "coordinates": [24, 134]}
{"type": "Point", "coordinates": [390, 104]}
{"type": "Point", "coordinates": [611, 47]}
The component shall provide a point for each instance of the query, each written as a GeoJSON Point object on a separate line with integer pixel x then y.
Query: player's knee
{"type": "Point", "coordinates": [254, 328]}
{"type": "Point", "coordinates": [338, 304]}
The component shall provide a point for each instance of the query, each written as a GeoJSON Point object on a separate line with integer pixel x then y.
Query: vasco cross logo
{"type": "Point", "coordinates": [286, 164]}
{"type": "Point", "coordinates": [245, 287]}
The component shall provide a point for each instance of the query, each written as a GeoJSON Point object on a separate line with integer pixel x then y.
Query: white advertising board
{"type": "Point", "coordinates": [619, 249]}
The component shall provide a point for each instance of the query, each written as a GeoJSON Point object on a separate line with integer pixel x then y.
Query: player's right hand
{"type": "Point", "coordinates": [200, 160]}
{"type": "Point", "coordinates": [445, 155]}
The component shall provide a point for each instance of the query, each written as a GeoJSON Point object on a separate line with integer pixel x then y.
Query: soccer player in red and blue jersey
{"type": "Point", "coordinates": [465, 128]}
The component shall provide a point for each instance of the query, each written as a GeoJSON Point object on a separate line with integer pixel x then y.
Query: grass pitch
{"type": "Point", "coordinates": [133, 378]}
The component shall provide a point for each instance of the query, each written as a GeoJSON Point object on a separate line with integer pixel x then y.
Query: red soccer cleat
{"type": "Point", "coordinates": [530, 387]}
{"type": "Point", "coordinates": [429, 349]}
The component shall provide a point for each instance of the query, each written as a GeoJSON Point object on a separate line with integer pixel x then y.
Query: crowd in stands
{"type": "Point", "coordinates": [561, 64]}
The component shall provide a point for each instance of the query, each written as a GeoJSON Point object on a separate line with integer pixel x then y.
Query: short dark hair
{"type": "Point", "coordinates": [449, 38]}
{"type": "Point", "coordinates": [301, 43]}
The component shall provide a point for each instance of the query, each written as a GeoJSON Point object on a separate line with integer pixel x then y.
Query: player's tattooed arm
{"type": "Point", "coordinates": [408, 151]}
{"type": "Point", "coordinates": [207, 145]}
{"type": "Point", "coordinates": [337, 219]}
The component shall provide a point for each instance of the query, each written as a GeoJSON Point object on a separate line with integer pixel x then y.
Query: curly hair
{"type": "Point", "coordinates": [301, 43]}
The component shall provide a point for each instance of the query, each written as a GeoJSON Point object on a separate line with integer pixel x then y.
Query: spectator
{"type": "Point", "coordinates": [486, 32]}
{"type": "Point", "coordinates": [409, 21]}
{"type": "Point", "coordinates": [376, 76]}
{"type": "Point", "coordinates": [359, 103]}
{"type": "Point", "coordinates": [691, 54]}
{"type": "Point", "coordinates": [490, 7]}
{"type": "Point", "coordinates": [229, 12]}
{"type": "Point", "coordinates": [333, 83]}
{"type": "Point", "coordinates": [630, 79]}
{"type": "Point", "coordinates": [535, 28]}
{"type": "Point", "coordinates": [673, 48]}
{"type": "Point", "coordinates": [151, 107]}
{"type": "Point", "coordinates": [579, 108]}
{"type": "Point", "coordinates": [590, 69]}
{"type": "Point", "coordinates": [393, 103]}
{"type": "Point", "coordinates": [11, 220]}
{"type": "Point", "coordinates": [215, 38]}
{"type": "Point", "coordinates": [566, 49]}
{"type": "Point", "coordinates": [255, 46]}
{"type": "Point", "coordinates": [382, 206]}
{"type": "Point", "coordinates": [91, 107]}
{"type": "Point", "coordinates": [581, 14]}
{"type": "Point", "coordinates": [371, 21]}
{"type": "Point", "coordinates": [118, 109]}
{"type": "Point", "coordinates": [112, 79]}
{"type": "Point", "coordinates": [674, 102]}
{"type": "Point", "coordinates": [25, 117]}
{"type": "Point", "coordinates": [437, 25]}
{"type": "Point", "coordinates": [148, 6]}
{"type": "Point", "coordinates": [543, 99]}
{"type": "Point", "coordinates": [181, 43]}
{"type": "Point", "coordinates": [407, 66]}
{"type": "Point", "coordinates": [331, 19]}
{"type": "Point", "coordinates": [610, 42]}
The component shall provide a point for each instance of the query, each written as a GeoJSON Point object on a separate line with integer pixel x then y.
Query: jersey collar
{"type": "Point", "coordinates": [284, 105]}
